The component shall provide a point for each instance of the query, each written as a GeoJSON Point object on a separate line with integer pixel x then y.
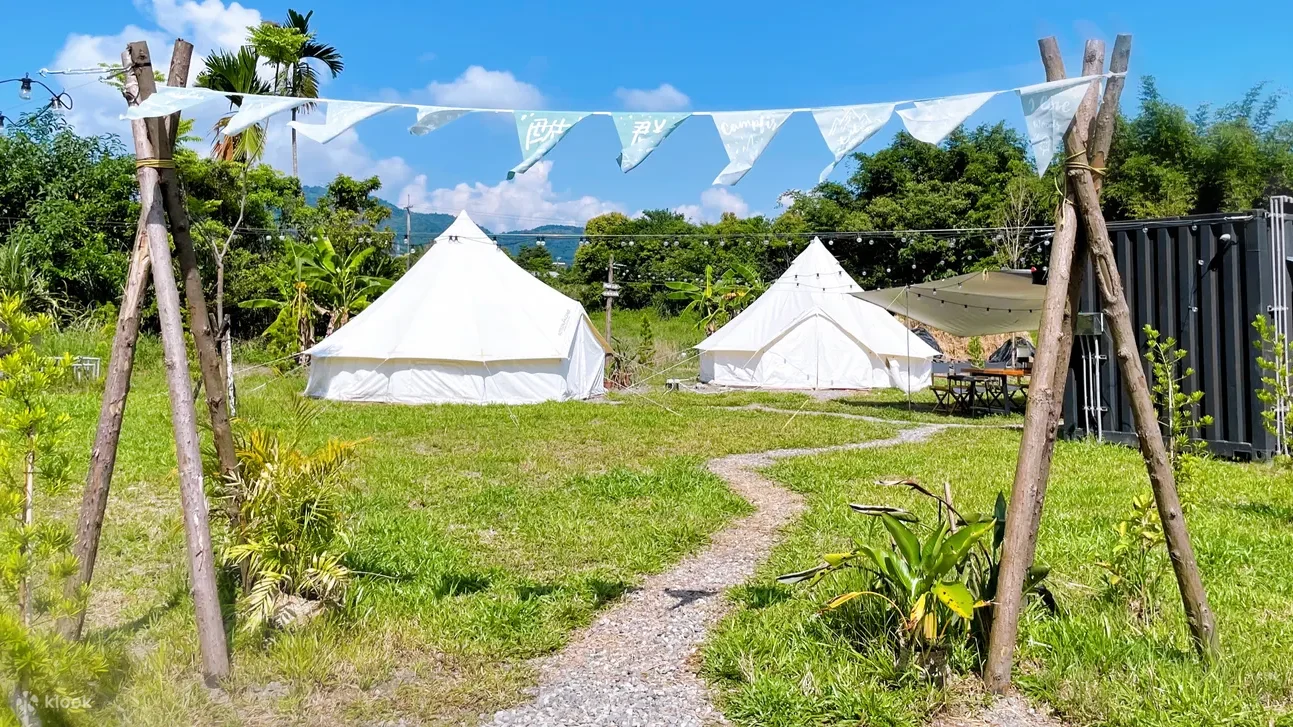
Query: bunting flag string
{"type": "Point", "coordinates": [1048, 110]}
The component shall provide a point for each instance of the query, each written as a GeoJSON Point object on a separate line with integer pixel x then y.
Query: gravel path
{"type": "Point", "coordinates": [634, 665]}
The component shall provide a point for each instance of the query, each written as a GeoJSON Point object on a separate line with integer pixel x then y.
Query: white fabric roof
{"type": "Point", "coordinates": [973, 304]}
{"type": "Point", "coordinates": [465, 300]}
{"type": "Point", "coordinates": [816, 285]}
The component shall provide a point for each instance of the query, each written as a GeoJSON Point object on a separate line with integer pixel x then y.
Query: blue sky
{"type": "Point", "coordinates": [611, 56]}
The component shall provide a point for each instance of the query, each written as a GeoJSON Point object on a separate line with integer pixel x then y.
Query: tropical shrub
{"type": "Point", "coordinates": [1274, 363]}
{"type": "Point", "coordinates": [287, 535]}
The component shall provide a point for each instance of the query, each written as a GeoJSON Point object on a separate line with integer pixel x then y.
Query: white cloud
{"type": "Point", "coordinates": [663, 98]}
{"type": "Point", "coordinates": [480, 87]}
{"type": "Point", "coordinates": [713, 203]}
{"type": "Point", "coordinates": [210, 24]}
{"type": "Point", "coordinates": [521, 203]}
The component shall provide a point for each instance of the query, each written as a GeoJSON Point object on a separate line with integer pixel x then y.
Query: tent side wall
{"type": "Point", "coordinates": [814, 354]}
{"type": "Point", "coordinates": [402, 381]}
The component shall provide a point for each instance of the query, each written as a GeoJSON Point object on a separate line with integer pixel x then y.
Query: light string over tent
{"type": "Point", "coordinates": [745, 134]}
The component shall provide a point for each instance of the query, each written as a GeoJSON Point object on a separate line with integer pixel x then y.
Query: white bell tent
{"type": "Point", "coordinates": [809, 332]}
{"type": "Point", "coordinates": [465, 324]}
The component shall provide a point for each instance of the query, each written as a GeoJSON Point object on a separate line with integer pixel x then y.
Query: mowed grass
{"type": "Point", "coordinates": [489, 533]}
{"type": "Point", "coordinates": [776, 664]}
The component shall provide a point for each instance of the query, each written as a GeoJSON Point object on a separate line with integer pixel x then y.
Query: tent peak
{"type": "Point", "coordinates": [463, 229]}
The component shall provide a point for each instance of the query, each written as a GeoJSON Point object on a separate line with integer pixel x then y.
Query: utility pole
{"type": "Point", "coordinates": [408, 234]}
{"type": "Point", "coordinates": [610, 291]}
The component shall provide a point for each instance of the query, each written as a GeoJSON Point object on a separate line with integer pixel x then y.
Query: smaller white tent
{"type": "Point", "coordinates": [809, 332]}
{"type": "Point", "coordinates": [465, 324]}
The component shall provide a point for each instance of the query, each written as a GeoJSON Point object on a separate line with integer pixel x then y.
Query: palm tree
{"type": "Point", "coordinates": [302, 79]}
{"type": "Point", "coordinates": [235, 73]}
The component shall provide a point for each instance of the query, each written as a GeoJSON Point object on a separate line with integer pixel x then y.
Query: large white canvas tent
{"type": "Point", "coordinates": [465, 324]}
{"type": "Point", "coordinates": [808, 332]}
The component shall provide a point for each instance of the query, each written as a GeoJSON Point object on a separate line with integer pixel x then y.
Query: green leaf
{"type": "Point", "coordinates": [999, 513]}
{"type": "Point", "coordinates": [907, 543]}
{"type": "Point", "coordinates": [896, 512]}
{"type": "Point", "coordinates": [836, 559]}
{"type": "Point", "coordinates": [800, 576]}
{"type": "Point", "coordinates": [956, 597]}
{"type": "Point", "coordinates": [933, 544]}
{"type": "Point", "coordinates": [958, 546]}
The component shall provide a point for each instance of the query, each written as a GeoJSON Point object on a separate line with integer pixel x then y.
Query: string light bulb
{"type": "Point", "coordinates": [24, 88]}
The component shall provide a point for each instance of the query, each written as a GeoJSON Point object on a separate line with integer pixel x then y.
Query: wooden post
{"type": "Point", "coordinates": [213, 378]}
{"type": "Point", "coordinates": [103, 458]}
{"type": "Point", "coordinates": [206, 602]}
{"type": "Point", "coordinates": [1045, 396]}
{"type": "Point", "coordinates": [1198, 614]}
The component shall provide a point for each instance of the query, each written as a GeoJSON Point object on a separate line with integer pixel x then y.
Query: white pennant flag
{"type": "Point", "coordinates": [431, 118]}
{"type": "Point", "coordinates": [171, 99]}
{"type": "Point", "coordinates": [745, 135]}
{"type": "Point", "coordinates": [341, 115]}
{"type": "Point", "coordinates": [641, 132]}
{"type": "Point", "coordinates": [932, 121]}
{"type": "Point", "coordinates": [845, 128]}
{"type": "Point", "coordinates": [1049, 108]}
{"type": "Point", "coordinates": [539, 132]}
{"type": "Point", "coordinates": [255, 109]}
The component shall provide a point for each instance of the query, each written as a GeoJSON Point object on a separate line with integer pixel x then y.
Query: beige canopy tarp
{"type": "Point", "coordinates": [973, 304]}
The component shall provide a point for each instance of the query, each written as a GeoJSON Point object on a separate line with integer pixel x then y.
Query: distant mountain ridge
{"type": "Point", "coordinates": [426, 226]}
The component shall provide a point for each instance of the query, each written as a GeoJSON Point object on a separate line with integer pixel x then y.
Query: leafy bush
{"type": "Point", "coordinates": [1274, 363]}
{"type": "Point", "coordinates": [48, 672]}
{"type": "Point", "coordinates": [287, 534]}
{"type": "Point", "coordinates": [1136, 564]}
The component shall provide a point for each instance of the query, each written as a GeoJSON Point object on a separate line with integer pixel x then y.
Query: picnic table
{"type": "Point", "coordinates": [992, 385]}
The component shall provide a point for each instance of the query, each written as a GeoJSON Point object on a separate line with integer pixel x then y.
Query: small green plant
{"type": "Point", "coordinates": [49, 673]}
{"type": "Point", "coordinates": [938, 585]}
{"type": "Point", "coordinates": [287, 535]}
{"type": "Point", "coordinates": [1178, 415]}
{"type": "Point", "coordinates": [1136, 564]}
{"type": "Point", "coordinates": [974, 349]}
{"type": "Point", "coordinates": [645, 354]}
{"type": "Point", "coordinates": [1274, 363]}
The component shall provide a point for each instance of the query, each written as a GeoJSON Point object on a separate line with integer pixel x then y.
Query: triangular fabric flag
{"type": "Point", "coordinates": [932, 121]}
{"type": "Point", "coordinates": [255, 109]}
{"type": "Point", "coordinates": [431, 118]}
{"type": "Point", "coordinates": [640, 133]}
{"type": "Point", "coordinates": [539, 132]}
{"type": "Point", "coordinates": [745, 135]}
{"type": "Point", "coordinates": [171, 99]}
{"type": "Point", "coordinates": [341, 115]}
{"type": "Point", "coordinates": [1049, 108]}
{"type": "Point", "coordinates": [845, 128]}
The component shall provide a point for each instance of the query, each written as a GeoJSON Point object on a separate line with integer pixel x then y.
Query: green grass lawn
{"type": "Point", "coordinates": [496, 531]}
{"type": "Point", "coordinates": [776, 664]}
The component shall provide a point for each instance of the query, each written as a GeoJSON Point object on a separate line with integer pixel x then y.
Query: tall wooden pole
{"type": "Point", "coordinates": [213, 376]}
{"type": "Point", "coordinates": [1050, 372]}
{"type": "Point", "coordinates": [206, 602]}
{"type": "Point", "coordinates": [1198, 615]}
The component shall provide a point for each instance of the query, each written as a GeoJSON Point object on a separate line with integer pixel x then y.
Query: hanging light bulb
{"type": "Point", "coordinates": [24, 88]}
{"type": "Point", "coordinates": [871, 242]}
{"type": "Point", "coordinates": [859, 238]}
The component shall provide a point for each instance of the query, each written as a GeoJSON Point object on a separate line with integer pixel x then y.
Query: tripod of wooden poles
{"type": "Point", "coordinates": [1087, 145]}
